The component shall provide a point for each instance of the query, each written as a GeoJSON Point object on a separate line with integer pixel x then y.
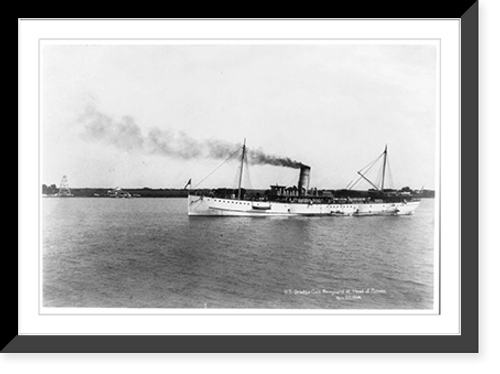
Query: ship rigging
{"type": "Point", "coordinates": [298, 200]}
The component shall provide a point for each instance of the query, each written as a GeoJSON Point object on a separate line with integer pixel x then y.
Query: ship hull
{"type": "Point", "coordinates": [213, 206]}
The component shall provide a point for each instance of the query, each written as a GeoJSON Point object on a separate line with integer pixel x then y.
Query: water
{"type": "Point", "coordinates": [147, 253]}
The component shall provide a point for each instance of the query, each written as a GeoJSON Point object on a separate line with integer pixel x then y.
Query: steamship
{"type": "Point", "coordinates": [299, 200]}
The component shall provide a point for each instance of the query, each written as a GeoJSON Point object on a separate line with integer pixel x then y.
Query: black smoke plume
{"type": "Point", "coordinates": [259, 157]}
{"type": "Point", "coordinates": [126, 135]}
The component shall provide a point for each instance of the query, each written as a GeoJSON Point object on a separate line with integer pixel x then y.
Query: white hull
{"type": "Point", "coordinates": [213, 206]}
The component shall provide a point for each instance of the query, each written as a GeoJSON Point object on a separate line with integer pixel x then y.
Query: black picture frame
{"type": "Point", "coordinates": [467, 341]}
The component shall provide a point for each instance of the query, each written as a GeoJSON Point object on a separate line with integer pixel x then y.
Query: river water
{"type": "Point", "coordinates": [147, 253]}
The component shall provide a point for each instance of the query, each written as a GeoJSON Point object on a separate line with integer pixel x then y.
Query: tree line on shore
{"type": "Point", "coordinates": [171, 192]}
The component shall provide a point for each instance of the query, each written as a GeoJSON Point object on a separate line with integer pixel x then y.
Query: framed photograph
{"type": "Point", "coordinates": [248, 185]}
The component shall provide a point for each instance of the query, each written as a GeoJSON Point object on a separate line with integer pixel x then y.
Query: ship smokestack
{"type": "Point", "coordinates": [305, 173]}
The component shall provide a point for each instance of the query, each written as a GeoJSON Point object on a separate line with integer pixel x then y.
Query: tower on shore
{"type": "Point", "coordinates": [64, 190]}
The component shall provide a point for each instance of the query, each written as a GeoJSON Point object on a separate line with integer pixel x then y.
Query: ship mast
{"type": "Point", "coordinates": [369, 166]}
{"type": "Point", "coordinates": [383, 170]}
{"type": "Point", "coordinates": [241, 169]}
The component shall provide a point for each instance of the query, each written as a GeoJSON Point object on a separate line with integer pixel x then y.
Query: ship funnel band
{"type": "Point", "coordinates": [305, 174]}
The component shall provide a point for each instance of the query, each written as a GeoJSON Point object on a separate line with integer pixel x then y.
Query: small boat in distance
{"type": "Point", "coordinates": [299, 200]}
{"type": "Point", "coordinates": [119, 193]}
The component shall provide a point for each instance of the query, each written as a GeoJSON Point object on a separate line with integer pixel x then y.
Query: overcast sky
{"type": "Point", "coordinates": [157, 115]}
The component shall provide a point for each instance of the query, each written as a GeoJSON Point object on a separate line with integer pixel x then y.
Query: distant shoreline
{"type": "Point", "coordinates": [172, 193]}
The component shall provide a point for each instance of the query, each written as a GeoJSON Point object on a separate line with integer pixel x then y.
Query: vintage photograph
{"type": "Point", "coordinates": [240, 175]}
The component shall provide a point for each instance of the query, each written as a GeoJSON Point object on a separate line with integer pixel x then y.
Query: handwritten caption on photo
{"type": "Point", "coordinates": [341, 294]}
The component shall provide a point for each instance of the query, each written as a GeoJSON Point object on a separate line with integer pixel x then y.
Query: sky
{"type": "Point", "coordinates": [156, 115]}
